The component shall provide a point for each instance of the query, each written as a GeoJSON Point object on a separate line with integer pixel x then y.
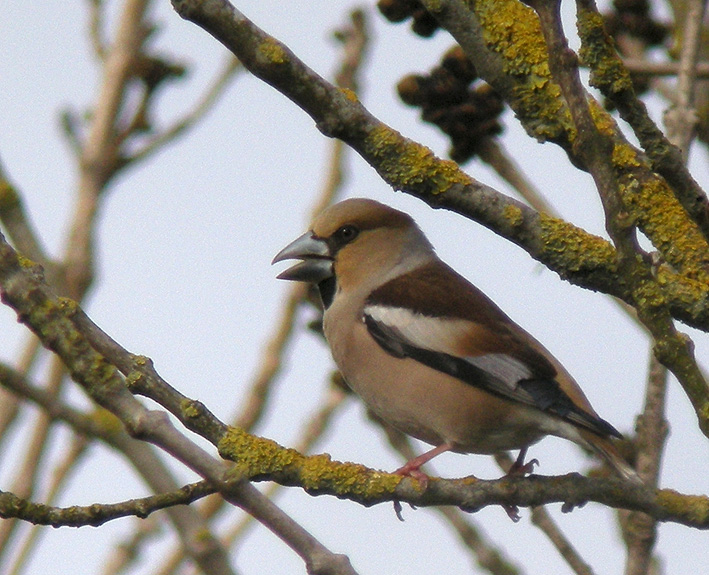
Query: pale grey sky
{"type": "Point", "coordinates": [184, 276]}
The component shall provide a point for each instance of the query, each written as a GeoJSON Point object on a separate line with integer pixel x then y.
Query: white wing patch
{"type": "Point", "coordinates": [443, 335]}
{"type": "Point", "coordinates": [502, 366]}
{"type": "Point", "coordinates": [437, 341]}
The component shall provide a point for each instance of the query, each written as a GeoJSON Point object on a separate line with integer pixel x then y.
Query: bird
{"type": "Point", "coordinates": [428, 352]}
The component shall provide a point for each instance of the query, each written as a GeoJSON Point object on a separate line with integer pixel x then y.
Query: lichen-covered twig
{"type": "Point", "coordinates": [65, 329]}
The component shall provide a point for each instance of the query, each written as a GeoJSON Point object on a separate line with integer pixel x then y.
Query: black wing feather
{"type": "Point", "coordinates": [543, 394]}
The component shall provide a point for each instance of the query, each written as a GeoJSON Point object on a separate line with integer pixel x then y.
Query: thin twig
{"type": "Point", "coordinates": [95, 515]}
{"type": "Point", "coordinates": [494, 154]}
{"type": "Point", "coordinates": [70, 458]}
{"type": "Point", "coordinates": [640, 530]}
{"type": "Point", "coordinates": [317, 425]}
{"type": "Point", "coordinates": [100, 157]}
{"type": "Point", "coordinates": [17, 223]}
{"type": "Point", "coordinates": [354, 39]}
{"type": "Point", "coordinates": [202, 107]}
{"type": "Point", "coordinates": [681, 119]}
{"type": "Point", "coordinates": [485, 553]}
{"type": "Point", "coordinates": [96, 17]}
{"type": "Point", "coordinates": [10, 404]}
{"type": "Point", "coordinates": [544, 521]}
{"type": "Point", "coordinates": [196, 539]}
{"type": "Point", "coordinates": [128, 551]}
{"type": "Point", "coordinates": [25, 481]}
{"type": "Point", "coordinates": [640, 67]}
{"type": "Point", "coordinates": [271, 361]}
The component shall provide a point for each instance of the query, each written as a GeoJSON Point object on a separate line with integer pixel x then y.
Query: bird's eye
{"type": "Point", "coordinates": [346, 234]}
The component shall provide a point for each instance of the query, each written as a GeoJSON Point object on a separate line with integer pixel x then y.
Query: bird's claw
{"type": "Point", "coordinates": [522, 469]}
{"type": "Point", "coordinates": [512, 512]}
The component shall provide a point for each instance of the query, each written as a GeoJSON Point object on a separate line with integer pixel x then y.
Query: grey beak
{"type": "Point", "coordinates": [316, 265]}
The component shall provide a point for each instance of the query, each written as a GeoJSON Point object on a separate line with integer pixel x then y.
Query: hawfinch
{"type": "Point", "coordinates": [427, 351]}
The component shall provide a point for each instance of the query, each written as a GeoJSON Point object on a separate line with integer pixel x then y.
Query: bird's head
{"type": "Point", "coordinates": [356, 241]}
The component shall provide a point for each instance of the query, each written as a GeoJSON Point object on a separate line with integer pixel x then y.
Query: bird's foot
{"type": "Point", "coordinates": [523, 469]}
{"type": "Point", "coordinates": [398, 509]}
{"type": "Point", "coordinates": [412, 470]}
{"type": "Point", "coordinates": [519, 468]}
{"type": "Point", "coordinates": [512, 512]}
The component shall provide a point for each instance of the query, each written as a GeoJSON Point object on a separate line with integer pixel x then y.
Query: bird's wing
{"type": "Point", "coordinates": [478, 348]}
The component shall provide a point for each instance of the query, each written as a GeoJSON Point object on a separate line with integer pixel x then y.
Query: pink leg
{"type": "Point", "coordinates": [519, 467]}
{"type": "Point", "coordinates": [411, 469]}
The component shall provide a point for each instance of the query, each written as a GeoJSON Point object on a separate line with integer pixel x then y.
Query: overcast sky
{"type": "Point", "coordinates": [184, 277]}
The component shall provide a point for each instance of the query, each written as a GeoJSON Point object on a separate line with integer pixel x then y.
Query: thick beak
{"type": "Point", "coordinates": [316, 265]}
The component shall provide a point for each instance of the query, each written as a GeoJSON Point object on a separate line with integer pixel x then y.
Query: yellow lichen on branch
{"type": "Point", "coordinates": [407, 165]}
{"type": "Point", "coordinates": [259, 457]}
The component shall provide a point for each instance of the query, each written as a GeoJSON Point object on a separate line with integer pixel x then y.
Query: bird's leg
{"type": "Point", "coordinates": [412, 467]}
{"type": "Point", "coordinates": [519, 467]}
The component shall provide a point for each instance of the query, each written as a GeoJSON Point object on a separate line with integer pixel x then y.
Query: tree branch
{"type": "Point", "coordinates": [595, 148]}
{"type": "Point", "coordinates": [613, 80]}
{"type": "Point", "coordinates": [50, 318]}
{"type": "Point", "coordinates": [579, 257]}
{"type": "Point", "coordinates": [260, 459]}
{"type": "Point", "coordinates": [97, 514]}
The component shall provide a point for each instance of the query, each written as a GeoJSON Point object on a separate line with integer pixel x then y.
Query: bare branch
{"type": "Point", "coordinates": [17, 223]}
{"type": "Point", "coordinates": [9, 403]}
{"type": "Point", "coordinates": [354, 39]}
{"type": "Point", "coordinates": [641, 530]}
{"type": "Point", "coordinates": [100, 155]}
{"type": "Point", "coordinates": [640, 67]}
{"type": "Point", "coordinates": [542, 519]}
{"type": "Point", "coordinates": [492, 152]}
{"type": "Point", "coordinates": [317, 424]}
{"type": "Point", "coordinates": [196, 539]}
{"type": "Point", "coordinates": [682, 118]}
{"type": "Point", "coordinates": [97, 514]}
{"type": "Point", "coordinates": [96, 16]}
{"type": "Point", "coordinates": [203, 106]}
{"type": "Point", "coordinates": [50, 318]}
{"type": "Point", "coordinates": [595, 148]}
{"type": "Point", "coordinates": [77, 449]}
{"type": "Point", "coordinates": [613, 80]}
{"type": "Point", "coordinates": [412, 168]}
{"type": "Point", "coordinates": [25, 481]}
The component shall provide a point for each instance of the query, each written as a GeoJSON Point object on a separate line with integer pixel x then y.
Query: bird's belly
{"type": "Point", "coordinates": [432, 406]}
{"type": "Point", "coordinates": [438, 418]}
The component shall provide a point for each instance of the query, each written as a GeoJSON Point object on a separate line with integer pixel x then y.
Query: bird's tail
{"type": "Point", "coordinates": [605, 448]}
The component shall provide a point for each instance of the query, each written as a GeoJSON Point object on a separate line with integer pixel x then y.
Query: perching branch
{"type": "Point", "coordinates": [257, 459]}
